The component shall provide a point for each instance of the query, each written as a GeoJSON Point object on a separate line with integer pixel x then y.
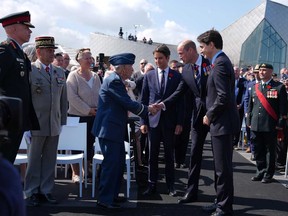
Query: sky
{"type": "Point", "coordinates": [72, 21]}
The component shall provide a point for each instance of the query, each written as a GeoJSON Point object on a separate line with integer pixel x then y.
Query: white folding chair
{"type": "Point", "coordinates": [132, 156]}
{"type": "Point", "coordinates": [71, 121]}
{"type": "Point", "coordinates": [74, 138]}
{"type": "Point", "coordinates": [98, 158]}
{"type": "Point", "coordinates": [128, 166]}
{"type": "Point", "coordinates": [22, 158]}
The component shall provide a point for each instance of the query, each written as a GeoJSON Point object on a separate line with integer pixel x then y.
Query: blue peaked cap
{"type": "Point", "coordinates": [122, 59]}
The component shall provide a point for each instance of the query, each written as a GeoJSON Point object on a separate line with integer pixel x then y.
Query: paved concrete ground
{"type": "Point", "coordinates": [251, 198]}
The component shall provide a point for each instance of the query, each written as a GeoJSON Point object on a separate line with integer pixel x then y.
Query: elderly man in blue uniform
{"type": "Point", "coordinates": [110, 127]}
{"type": "Point", "coordinates": [267, 113]}
{"type": "Point", "coordinates": [14, 77]}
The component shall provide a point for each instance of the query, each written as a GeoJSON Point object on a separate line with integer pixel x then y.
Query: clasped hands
{"type": "Point", "coordinates": [156, 107]}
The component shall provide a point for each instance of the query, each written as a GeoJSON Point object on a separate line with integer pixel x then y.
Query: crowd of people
{"type": "Point", "coordinates": [175, 100]}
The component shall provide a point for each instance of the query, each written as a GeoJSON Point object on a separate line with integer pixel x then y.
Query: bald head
{"type": "Point", "coordinates": [187, 51]}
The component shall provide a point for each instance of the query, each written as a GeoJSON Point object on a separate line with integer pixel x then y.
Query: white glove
{"type": "Point", "coordinates": [27, 137]}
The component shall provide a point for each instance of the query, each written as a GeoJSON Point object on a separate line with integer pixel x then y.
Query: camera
{"type": "Point", "coordinates": [10, 115]}
{"type": "Point", "coordinates": [101, 61]}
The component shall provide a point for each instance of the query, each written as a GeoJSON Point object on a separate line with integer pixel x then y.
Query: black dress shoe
{"type": "Point", "coordinates": [187, 198]}
{"type": "Point", "coordinates": [256, 178]}
{"type": "Point", "coordinates": [150, 190]}
{"type": "Point", "coordinates": [119, 199]}
{"type": "Point", "coordinates": [107, 206]}
{"type": "Point", "coordinates": [171, 191]}
{"type": "Point", "coordinates": [49, 198]}
{"type": "Point", "coordinates": [210, 208]}
{"type": "Point", "coordinates": [32, 200]}
{"type": "Point", "coordinates": [266, 180]}
{"type": "Point", "coordinates": [177, 165]}
{"type": "Point", "coordinates": [221, 213]}
{"type": "Point", "coordinates": [182, 166]}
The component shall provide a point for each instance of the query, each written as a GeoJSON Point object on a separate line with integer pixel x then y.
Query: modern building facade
{"type": "Point", "coordinates": [261, 36]}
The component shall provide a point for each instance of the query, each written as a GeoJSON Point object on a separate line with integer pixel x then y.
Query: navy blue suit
{"type": "Point", "coordinates": [247, 94]}
{"type": "Point", "coordinates": [110, 127]}
{"type": "Point", "coordinates": [198, 130]}
{"type": "Point", "coordinates": [162, 125]}
{"type": "Point", "coordinates": [224, 123]}
{"type": "Point", "coordinates": [241, 89]}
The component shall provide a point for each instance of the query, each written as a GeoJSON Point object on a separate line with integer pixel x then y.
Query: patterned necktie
{"type": "Point", "coordinates": [162, 84]}
{"type": "Point", "coordinates": [47, 69]}
{"type": "Point", "coordinates": [197, 75]}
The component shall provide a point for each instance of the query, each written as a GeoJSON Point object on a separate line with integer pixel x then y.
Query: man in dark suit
{"type": "Point", "coordinates": [137, 77]}
{"type": "Point", "coordinates": [240, 88]}
{"type": "Point", "coordinates": [222, 117]}
{"type": "Point", "coordinates": [14, 77]}
{"type": "Point", "coordinates": [110, 127]}
{"type": "Point", "coordinates": [194, 78]}
{"type": "Point", "coordinates": [267, 113]}
{"type": "Point", "coordinates": [158, 85]}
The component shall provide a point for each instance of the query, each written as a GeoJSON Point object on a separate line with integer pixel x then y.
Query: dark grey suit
{"type": "Point", "coordinates": [198, 130]}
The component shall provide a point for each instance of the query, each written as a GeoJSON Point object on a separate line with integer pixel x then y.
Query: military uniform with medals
{"type": "Point", "coordinates": [264, 115]}
{"type": "Point", "coordinates": [14, 82]}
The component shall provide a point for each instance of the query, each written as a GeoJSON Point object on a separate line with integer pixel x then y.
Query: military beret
{"type": "Point", "coordinates": [17, 18]}
{"type": "Point", "coordinates": [45, 42]}
{"type": "Point", "coordinates": [267, 66]}
{"type": "Point", "coordinates": [256, 68]}
{"type": "Point", "coordinates": [122, 59]}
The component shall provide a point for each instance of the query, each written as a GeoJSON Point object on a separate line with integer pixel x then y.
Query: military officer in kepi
{"type": "Point", "coordinates": [266, 117]}
{"type": "Point", "coordinates": [14, 78]}
{"type": "Point", "coordinates": [49, 97]}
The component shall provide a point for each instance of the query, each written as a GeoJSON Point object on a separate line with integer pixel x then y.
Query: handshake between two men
{"type": "Point", "coordinates": [155, 108]}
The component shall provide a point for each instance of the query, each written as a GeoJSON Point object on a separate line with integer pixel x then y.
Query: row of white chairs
{"type": "Point", "coordinates": [73, 137]}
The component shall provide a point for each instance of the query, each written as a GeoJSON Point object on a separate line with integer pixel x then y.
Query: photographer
{"type": "Point", "coordinates": [14, 80]}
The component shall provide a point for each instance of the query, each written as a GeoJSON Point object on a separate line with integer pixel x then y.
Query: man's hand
{"type": "Point", "coordinates": [206, 121]}
{"type": "Point", "coordinates": [158, 106]}
{"type": "Point", "coordinates": [178, 129]}
{"type": "Point", "coordinates": [144, 129]}
{"type": "Point", "coordinates": [152, 109]}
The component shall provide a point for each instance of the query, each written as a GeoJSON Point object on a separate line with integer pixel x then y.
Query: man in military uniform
{"type": "Point", "coordinates": [14, 77]}
{"type": "Point", "coordinates": [49, 96]}
{"type": "Point", "coordinates": [266, 115]}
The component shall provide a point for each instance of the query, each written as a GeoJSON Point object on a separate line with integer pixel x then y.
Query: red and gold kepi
{"type": "Point", "coordinates": [17, 18]}
{"type": "Point", "coordinates": [45, 42]}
